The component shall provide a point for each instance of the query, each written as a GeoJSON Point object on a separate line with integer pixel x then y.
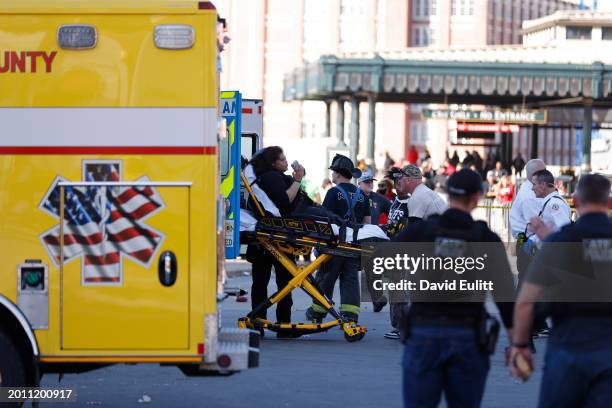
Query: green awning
{"type": "Point", "coordinates": [440, 81]}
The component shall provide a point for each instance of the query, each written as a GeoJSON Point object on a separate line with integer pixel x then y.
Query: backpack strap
{"type": "Point", "coordinates": [349, 203]}
{"type": "Point", "coordinates": [355, 200]}
{"type": "Point", "coordinates": [541, 212]}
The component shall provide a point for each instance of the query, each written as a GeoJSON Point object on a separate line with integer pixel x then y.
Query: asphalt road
{"type": "Point", "coordinates": [321, 370]}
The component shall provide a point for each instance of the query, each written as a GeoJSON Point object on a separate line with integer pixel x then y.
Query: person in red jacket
{"type": "Point", "coordinates": [505, 192]}
{"type": "Point", "coordinates": [413, 155]}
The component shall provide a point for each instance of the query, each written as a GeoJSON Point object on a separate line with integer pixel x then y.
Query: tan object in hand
{"type": "Point", "coordinates": [523, 366]}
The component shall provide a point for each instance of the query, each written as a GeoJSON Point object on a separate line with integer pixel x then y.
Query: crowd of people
{"type": "Point", "coordinates": [499, 180]}
{"type": "Point", "coordinates": [407, 206]}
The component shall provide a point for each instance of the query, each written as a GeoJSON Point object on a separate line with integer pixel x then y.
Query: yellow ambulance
{"type": "Point", "coordinates": [111, 216]}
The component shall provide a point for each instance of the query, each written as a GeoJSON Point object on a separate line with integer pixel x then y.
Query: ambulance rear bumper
{"type": "Point", "coordinates": [236, 350]}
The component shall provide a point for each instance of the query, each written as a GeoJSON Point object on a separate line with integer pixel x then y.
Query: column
{"type": "Point", "coordinates": [371, 129]}
{"type": "Point", "coordinates": [534, 142]}
{"type": "Point", "coordinates": [354, 129]}
{"type": "Point", "coordinates": [327, 118]}
{"type": "Point", "coordinates": [340, 123]}
{"type": "Point", "coordinates": [586, 135]}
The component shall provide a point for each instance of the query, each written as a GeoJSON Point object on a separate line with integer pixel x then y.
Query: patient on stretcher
{"type": "Point", "coordinates": [304, 209]}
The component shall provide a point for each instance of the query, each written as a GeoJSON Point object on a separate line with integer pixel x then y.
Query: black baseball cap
{"type": "Point", "coordinates": [464, 182]}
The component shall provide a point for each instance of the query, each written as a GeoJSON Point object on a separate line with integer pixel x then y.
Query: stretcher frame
{"type": "Point", "coordinates": [280, 246]}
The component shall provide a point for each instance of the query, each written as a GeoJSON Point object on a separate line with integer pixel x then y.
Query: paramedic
{"type": "Point", "coordinates": [270, 166]}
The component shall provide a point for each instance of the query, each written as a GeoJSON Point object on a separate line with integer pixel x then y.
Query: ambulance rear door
{"type": "Point", "coordinates": [252, 127]}
{"type": "Point", "coordinates": [231, 111]}
{"type": "Point", "coordinates": [252, 134]}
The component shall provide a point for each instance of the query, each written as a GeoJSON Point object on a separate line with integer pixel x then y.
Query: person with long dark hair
{"type": "Point", "coordinates": [270, 165]}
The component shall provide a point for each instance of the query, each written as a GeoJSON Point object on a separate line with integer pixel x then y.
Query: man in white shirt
{"type": "Point", "coordinates": [423, 201]}
{"type": "Point", "coordinates": [525, 205]}
{"type": "Point", "coordinates": [555, 211]}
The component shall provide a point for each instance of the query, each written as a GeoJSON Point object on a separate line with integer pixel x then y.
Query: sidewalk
{"type": "Point", "coordinates": [237, 267]}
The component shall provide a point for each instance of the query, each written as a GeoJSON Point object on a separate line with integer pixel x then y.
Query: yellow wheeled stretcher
{"type": "Point", "coordinates": [297, 236]}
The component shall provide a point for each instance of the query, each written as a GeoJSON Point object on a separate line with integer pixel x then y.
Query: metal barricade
{"type": "Point", "coordinates": [496, 216]}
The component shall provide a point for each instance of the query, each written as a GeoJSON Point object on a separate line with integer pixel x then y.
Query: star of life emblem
{"type": "Point", "coordinates": [103, 224]}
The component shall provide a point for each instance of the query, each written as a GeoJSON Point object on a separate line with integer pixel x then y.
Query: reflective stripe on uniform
{"type": "Point", "coordinates": [350, 308]}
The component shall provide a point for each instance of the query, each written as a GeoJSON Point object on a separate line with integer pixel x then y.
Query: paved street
{"type": "Point", "coordinates": [320, 370]}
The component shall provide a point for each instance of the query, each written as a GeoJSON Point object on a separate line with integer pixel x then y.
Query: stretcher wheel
{"type": "Point", "coordinates": [354, 338]}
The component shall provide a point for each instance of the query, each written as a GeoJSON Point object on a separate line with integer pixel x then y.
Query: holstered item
{"type": "Point", "coordinates": [487, 330]}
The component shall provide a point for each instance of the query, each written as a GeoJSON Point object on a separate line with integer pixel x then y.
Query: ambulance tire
{"type": "Point", "coordinates": [12, 365]}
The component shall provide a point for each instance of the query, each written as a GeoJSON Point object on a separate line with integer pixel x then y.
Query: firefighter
{"type": "Point", "coordinates": [348, 202]}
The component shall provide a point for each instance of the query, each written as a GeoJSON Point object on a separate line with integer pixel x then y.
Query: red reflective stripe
{"type": "Point", "coordinates": [102, 279]}
{"type": "Point", "coordinates": [247, 110]}
{"type": "Point", "coordinates": [158, 150]}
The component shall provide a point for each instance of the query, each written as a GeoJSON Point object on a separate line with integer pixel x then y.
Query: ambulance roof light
{"type": "Point", "coordinates": [77, 36]}
{"type": "Point", "coordinates": [174, 36]}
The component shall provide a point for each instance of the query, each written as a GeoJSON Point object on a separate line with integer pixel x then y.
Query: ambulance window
{"type": "Point", "coordinates": [248, 145]}
{"type": "Point", "coordinates": [224, 155]}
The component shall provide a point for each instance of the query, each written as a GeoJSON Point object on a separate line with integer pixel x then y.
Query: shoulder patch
{"type": "Point", "coordinates": [555, 207]}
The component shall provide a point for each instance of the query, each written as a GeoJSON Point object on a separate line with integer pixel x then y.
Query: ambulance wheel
{"type": "Point", "coordinates": [352, 339]}
{"type": "Point", "coordinates": [12, 366]}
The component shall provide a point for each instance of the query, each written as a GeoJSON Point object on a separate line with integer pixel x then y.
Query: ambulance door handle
{"type": "Point", "coordinates": [167, 268]}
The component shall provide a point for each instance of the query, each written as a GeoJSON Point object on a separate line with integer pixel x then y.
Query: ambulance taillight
{"type": "Point", "coordinates": [77, 36]}
{"type": "Point", "coordinates": [174, 36]}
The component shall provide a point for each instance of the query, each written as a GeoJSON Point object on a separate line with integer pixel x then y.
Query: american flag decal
{"type": "Point", "coordinates": [103, 224]}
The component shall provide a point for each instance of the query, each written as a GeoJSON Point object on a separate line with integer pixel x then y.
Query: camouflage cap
{"type": "Point", "coordinates": [412, 171]}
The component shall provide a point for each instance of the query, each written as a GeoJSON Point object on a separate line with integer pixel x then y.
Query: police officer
{"type": "Point", "coordinates": [578, 361]}
{"type": "Point", "coordinates": [378, 205]}
{"type": "Point", "coordinates": [348, 202]}
{"type": "Point", "coordinates": [554, 211]}
{"type": "Point", "coordinates": [443, 352]}
{"type": "Point", "coordinates": [525, 206]}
